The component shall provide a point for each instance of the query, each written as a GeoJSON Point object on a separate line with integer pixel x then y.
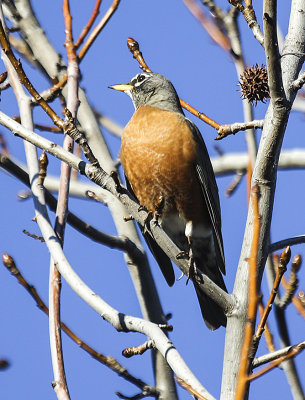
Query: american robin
{"type": "Point", "coordinates": [168, 169]}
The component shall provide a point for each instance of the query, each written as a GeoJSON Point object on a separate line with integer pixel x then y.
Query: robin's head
{"type": "Point", "coordinates": [151, 89]}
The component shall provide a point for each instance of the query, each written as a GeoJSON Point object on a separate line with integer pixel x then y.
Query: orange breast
{"type": "Point", "coordinates": [158, 154]}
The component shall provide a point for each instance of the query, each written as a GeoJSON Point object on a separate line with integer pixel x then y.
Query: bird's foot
{"type": "Point", "coordinates": [181, 276]}
{"type": "Point", "coordinates": [187, 255]}
{"type": "Point", "coordinates": [142, 208]}
{"type": "Point", "coordinates": [114, 175]}
{"type": "Point", "coordinates": [146, 226]}
{"type": "Point", "coordinates": [183, 255]}
{"type": "Point", "coordinates": [158, 209]}
{"type": "Point", "coordinates": [156, 218]}
{"type": "Point", "coordinates": [128, 218]}
{"type": "Point", "coordinates": [191, 271]}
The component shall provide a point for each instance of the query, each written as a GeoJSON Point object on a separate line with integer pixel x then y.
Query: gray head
{"type": "Point", "coordinates": [151, 89]}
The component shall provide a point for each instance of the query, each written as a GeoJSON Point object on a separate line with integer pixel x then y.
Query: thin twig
{"type": "Point", "coordinates": [53, 129]}
{"type": "Point", "coordinates": [33, 236]}
{"type": "Point", "coordinates": [284, 259]}
{"type": "Point", "coordinates": [296, 301]}
{"type": "Point", "coordinates": [89, 24]}
{"type": "Point", "coordinates": [191, 390]}
{"type": "Point", "coordinates": [286, 242]}
{"type": "Point", "coordinates": [258, 361]}
{"type": "Point", "coordinates": [43, 164]}
{"type": "Point", "coordinates": [24, 79]}
{"type": "Point", "coordinates": [3, 77]}
{"type": "Point", "coordinates": [292, 352]}
{"type": "Point", "coordinates": [292, 285]}
{"type": "Point", "coordinates": [299, 304]}
{"type": "Point", "coordinates": [231, 129]}
{"type": "Point", "coordinates": [109, 13]}
{"type": "Point", "coordinates": [138, 350]}
{"type": "Point", "coordinates": [267, 334]}
{"type": "Point", "coordinates": [299, 83]}
{"type": "Point", "coordinates": [235, 183]}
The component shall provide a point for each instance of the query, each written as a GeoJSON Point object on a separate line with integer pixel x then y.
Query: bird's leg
{"type": "Point", "coordinates": [190, 256]}
{"type": "Point", "coordinates": [146, 226]}
{"type": "Point", "coordinates": [191, 260]}
{"type": "Point", "coordinates": [147, 220]}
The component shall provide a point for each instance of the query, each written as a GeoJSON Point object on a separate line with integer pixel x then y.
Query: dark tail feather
{"type": "Point", "coordinates": [212, 314]}
{"type": "Point", "coordinates": [162, 259]}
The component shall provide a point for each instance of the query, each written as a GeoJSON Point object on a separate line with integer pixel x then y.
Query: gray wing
{"type": "Point", "coordinates": [209, 188]}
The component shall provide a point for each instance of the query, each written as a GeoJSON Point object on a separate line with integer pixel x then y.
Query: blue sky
{"type": "Point", "coordinates": [174, 44]}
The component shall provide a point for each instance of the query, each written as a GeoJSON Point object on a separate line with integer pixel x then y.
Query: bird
{"type": "Point", "coordinates": [168, 170]}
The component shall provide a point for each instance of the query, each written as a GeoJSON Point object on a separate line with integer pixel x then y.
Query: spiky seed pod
{"type": "Point", "coordinates": [254, 84]}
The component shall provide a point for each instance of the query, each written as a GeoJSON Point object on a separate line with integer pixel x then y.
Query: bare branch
{"type": "Point", "coordinates": [138, 350]}
{"type": "Point", "coordinates": [235, 184]}
{"type": "Point", "coordinates": [299, 83]}
{"type": "Point", "coordinates": [258, 361]}
{"type": "Point", "coordinates": [267, 334]}
{"type": "Point", "coordinates": [264, 174]}
{"type": "Point", "coordinates": [191, 390]}
{"type": "Point", "coordinates": [287, 242]}
{"type": "Point", "coordinates": [272, 52]}
{"type": "Point", "coordinates": [231, 129]}
{"type": "Point", "coordinates": [108, 361]}
{"type": "Point", "coordinates": [292, 285]}
{"type": "Point", "coordinates": [288, 354]}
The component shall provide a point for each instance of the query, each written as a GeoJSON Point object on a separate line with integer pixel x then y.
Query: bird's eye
{"type": "Point", "coordinates": [141, 78]}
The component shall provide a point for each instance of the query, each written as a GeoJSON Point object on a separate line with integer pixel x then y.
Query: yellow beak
{"type": "Point", "coordinates": [121, 88]}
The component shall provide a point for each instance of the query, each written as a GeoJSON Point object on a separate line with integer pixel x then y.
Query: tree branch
{"type": "Point", "coordinates": [264, 174]}
{"type": "Point", "coordinates": [108, 361]}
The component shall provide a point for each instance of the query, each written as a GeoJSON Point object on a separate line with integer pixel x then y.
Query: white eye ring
{"type": "Point", "coordinates": [142, 77]}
